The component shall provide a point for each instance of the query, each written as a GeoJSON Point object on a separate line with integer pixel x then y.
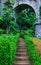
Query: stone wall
{"type": "Point", "coordinates": [38, 30]}
{"type": "Point", "coordinates": [34, 4]}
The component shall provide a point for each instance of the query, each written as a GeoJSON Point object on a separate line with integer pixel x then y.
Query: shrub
{"type": "Point", "coordinates": [8, 46]}
{"type": "Point", "coordinates": [35, 60]}
{"type": "Point", "coordinates": [2, 31]}
{"type": "Point", "coordinates": [30, 32]}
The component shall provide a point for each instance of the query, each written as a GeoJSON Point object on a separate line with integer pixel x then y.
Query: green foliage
{"type": "Point", "coordinates": [7, 17]}
{"type": "Point", "coordinates": [34, 57]}
{"type": "Point", "coordinates": [13, 27]}
{"type": "Point", "coordinates": [13, 1]}
{"type": "Point", "coordinates": [40, 10]}
{"type": "Point", "coordinates": [1, 19]}
{"type": "Point", "coordinates": [32, 0]}
{"type": "Point", "coordinates": [8, 14]}
{"type": "Point", "coordinates": [26, 19]}
{"type": "Point", "coordinates": [2, 23]}
{"type": "Point", "coordinates": [30, 32]}
{"type": "Point", "coordinates": [2, 31]}
{"type": "Point", "coordinates": [8, 46]}
{"type": "Point", "coordinates": [8, 11]}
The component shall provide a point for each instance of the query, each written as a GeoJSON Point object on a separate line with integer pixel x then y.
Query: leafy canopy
{"type": "Point", "coordinates": [26, 19]}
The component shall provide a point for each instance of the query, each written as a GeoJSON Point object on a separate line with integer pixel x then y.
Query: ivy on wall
{"type": "Point", "coordinates": [32, 0]}
{"type": "Point", "coordinates": [40, 11]}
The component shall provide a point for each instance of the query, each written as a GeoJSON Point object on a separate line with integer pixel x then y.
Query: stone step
{"type": "Point", "coordinates": [27, 61]}
{"type": "Point", "coordinates": [22, 57]}
{"type": "Point", "coordinates": [22, 53]}
{"type": "Point", "coordinates": [21, 63]}
{"type": "Point", "coordinates": [21, 46]}
{"type": "Point", "coordinates": [21, 50]}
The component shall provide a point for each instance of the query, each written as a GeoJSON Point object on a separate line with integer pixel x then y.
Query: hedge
{"type": "Point", "coordinates": [8, 46]}
{"type": "Point", "coordinates": [33, 55]}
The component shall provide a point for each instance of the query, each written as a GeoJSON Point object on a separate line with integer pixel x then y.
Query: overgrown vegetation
{"type": "Point", "coordinates": [40, 12]}
{"type": "Point", "coordinates": [11, 30]}
{"type": "Point", "coordinates": [37, 43]}
{"type": "Point", "coordinates": [30, 32]}
{"type": "Point", "coordinates": [35, 60]}
{"type": "Point", "coordinates": [26, 20]}
{"type": "Point", "coordinates": [8, 46]}
{"type": "Point", "coordinates": [7, 17]}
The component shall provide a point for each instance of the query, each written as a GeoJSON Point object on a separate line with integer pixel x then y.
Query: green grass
{"type": "Point", "coordinates": [37, 43]}
{"type": "Point", "coordinates": [35, 60]}
{"type": "Point", "coordinates": [8, 46]}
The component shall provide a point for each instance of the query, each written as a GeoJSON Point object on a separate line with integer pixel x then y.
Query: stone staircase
{"type": "Point", "coordinates": [21, 54]}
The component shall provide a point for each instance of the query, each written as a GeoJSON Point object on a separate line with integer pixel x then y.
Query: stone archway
{"type": "Point", "coordinates": [21, 7]}
{"type": "Point", "coordinates": [27, 3]}
{"type": "Point", "coordinates": [35, 4]}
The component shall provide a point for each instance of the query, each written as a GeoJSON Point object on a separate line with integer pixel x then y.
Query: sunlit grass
{"type": "Point", "coordinates": [37, 43]}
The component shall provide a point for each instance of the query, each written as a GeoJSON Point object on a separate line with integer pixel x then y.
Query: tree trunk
{"type": "Point", "coordinates": [8, 28]}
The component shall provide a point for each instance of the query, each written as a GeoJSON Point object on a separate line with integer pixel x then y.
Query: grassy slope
{"type": "Point", "coordinates": [37, 43]}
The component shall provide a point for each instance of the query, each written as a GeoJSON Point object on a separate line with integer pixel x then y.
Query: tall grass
{"type": "Point", "coordinates": [8, 46]}
{"type": "Point", "coordinates": [34, 57]}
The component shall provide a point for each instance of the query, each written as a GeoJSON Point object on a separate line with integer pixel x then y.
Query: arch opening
{"type": "Point", "coordinates": [21, 7]}
{"type": "Point", "coordinates": [26, 18]}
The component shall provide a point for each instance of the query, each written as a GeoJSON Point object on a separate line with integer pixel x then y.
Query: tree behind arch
{"type": "Point", "coordinates": [8, 14]}
{"type": "Point", "coordinates": [26, 20]}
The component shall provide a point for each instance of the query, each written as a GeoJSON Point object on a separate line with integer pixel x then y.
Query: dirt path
{"type": "Point", "coordinates": [21, 54]}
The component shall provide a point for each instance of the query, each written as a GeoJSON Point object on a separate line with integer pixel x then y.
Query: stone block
{"type": "Point", "coordinates": [38, 30]}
